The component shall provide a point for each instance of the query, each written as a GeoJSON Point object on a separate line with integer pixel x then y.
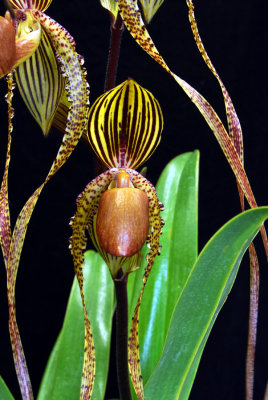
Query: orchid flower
{"type": "Point", "coordinates": [119, 208]}
{"type": "Point", "coordinates": [48, 73]}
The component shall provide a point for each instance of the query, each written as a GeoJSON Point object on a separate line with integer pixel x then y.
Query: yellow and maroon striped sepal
{"type": "Point", "coordinates": [40, 5]}
{"type": "Point", "coordinates": [125, 125]}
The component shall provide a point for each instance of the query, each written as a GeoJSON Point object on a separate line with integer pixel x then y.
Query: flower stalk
{"type": "Point", "coordinates": [120, 284]}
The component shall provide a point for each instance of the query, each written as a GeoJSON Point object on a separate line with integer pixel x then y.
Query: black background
{"type": "Point", "coordinates": [235, 37]}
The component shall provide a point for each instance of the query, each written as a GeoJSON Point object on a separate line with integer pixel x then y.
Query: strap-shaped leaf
{"type": "Point", "coordinates": [150, 7]}
{"type": "Point", "coordinates": [41, 83]}
{"type": "Point", "coordinates": [62, 377]}
{"type": "Point", "coordinates": [156, 224]}
{"type": "Point", "coordinates": [125, 125]}
{"type": "Point", "coordinates": [132, 18]}
{"type": "Point", "coordinates": [203, 295]}
{"type": "Point", "coordinates": [40, 5]}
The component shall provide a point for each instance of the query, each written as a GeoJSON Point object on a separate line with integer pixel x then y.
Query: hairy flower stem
{"type": "Point", "coordinates": [117, 28]}
{"type": "Point", "coordinates": [122, 336]}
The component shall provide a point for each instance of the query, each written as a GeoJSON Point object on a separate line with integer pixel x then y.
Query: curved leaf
{"type": "Point", "coordinates": [204, 294]}
{"type": "Point", "coordinates": [63, 373]}
{"type": "Point", "coordinates": [4, 391]}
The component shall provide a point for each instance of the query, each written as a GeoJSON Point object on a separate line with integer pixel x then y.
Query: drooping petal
{"type": "Point", "coordinates": [156, 224]}
{"type": "Point", "coordinates": [76, 87]}
{"type": "Point", "coordinates": [87, 202]}
{"type": "Point", "coordinates": [40, 5]}
{"type": "Point", "coordinates": [41, 84]}
{"type": "Point", "coordinates": [125, 125]}
{"type": "Point", "coordinates": [132, 18]}
{"type": "Point", "coordinates": [5, 230]}
{"type": "Point", "coordinates": [78, 97]}
{"type": "Point", "coordinates": [61, 115]}
{"type": "Point", "coordinates": [149, 8]}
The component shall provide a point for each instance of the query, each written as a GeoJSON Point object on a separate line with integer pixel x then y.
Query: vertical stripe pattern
{"type": "Point", "coordinates": [40, 5]}
{"type": "Point", "coordinates": [41, 84]}
{"type": "Point", "coordinates": [125, 125]}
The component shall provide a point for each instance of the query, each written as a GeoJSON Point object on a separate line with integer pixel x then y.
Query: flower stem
{"type": "Point", "coordinates": [117, 28]}
{"type": "Point", "coordinates": [253, 318]}
{"type": "Point", "coordinates": [122, 336]}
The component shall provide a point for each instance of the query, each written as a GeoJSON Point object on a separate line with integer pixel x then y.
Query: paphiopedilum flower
{"type": "Point", "coordinates": [43, 55]}
{"type": "Point", "coordinates": [120, 208]}
{"type": "Point", "coordinates": [48, 72]}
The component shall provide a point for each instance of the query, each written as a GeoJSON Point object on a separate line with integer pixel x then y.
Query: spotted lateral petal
{"type": "Point", "coordinates": [156, 224]}
{"type": "Point", "coordinates": [5, 230]}
{"type": "Point", "coordinates": [87, 203]}
{"type": "Point", "coordinates": [63, 44]}
{"type": "Point", "coordinates": [125, 125]}
{"type": "Point", "coordinates": [132, 18]}
{"type": "Point", "coordinates": [40, 5]}
{"type": "Point", "coordinates": [41, 84]}
{"type": "Point", "coordinates": [150, 7]}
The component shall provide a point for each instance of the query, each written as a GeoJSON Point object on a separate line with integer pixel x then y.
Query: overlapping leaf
{"type": "Point", "coordinates": [62, 378]}
{"type": "Point", "coordinates": [203, 295]}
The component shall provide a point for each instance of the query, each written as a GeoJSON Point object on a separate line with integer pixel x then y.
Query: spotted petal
{"type": "Point", "coordinates": [132, 18]}
{"type": "Point", "coordinates": [76, 121]}
{"type": "Point", "coordinates": [87, 204]}
{"type": "Point", "coordinates": [125, 125]}
{"type": "Point", "coordinates": [156, 224]}
{"type": "Point", "coordinates": [41, 83]}
{"type": "Point", "coordinates": [40, 5]}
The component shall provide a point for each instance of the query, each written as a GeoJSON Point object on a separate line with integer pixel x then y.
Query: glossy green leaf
{"type": "Point", "coordinates": [177, 188]}
{"type": "Point", "coordinates": [203, 296]}
{"type": "Point", "coordinates": [63, 373]}
{"type": "Point", "coordinates": [4, 391]}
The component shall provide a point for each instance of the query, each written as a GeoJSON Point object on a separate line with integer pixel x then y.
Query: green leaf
{"type": "Point", "coordinates": [204, 294]}
{"type": "Point", "coordinates": [63, 373]}
{"type": "Point", "coordinates": [177, 188]}
{"type": "Point", "coordinates": [4, 391]}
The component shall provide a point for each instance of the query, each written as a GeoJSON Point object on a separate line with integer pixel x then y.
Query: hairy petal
{"type": "Point", "coordinates": [78, 97]}
{"type": "Point", "coordinates": [156, 224]}
{"type": "Point", "coordinates": [5, 230]}
{"type": "Point", "coordinates": [87, 202]}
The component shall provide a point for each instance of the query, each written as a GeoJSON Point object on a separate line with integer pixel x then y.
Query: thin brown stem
{"type": "Point", "coordinates": [122, 336]}
{"type": "Point", "coordinates": [117, 28]}
{"type": "Point", "coordinates": [253, 319]}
